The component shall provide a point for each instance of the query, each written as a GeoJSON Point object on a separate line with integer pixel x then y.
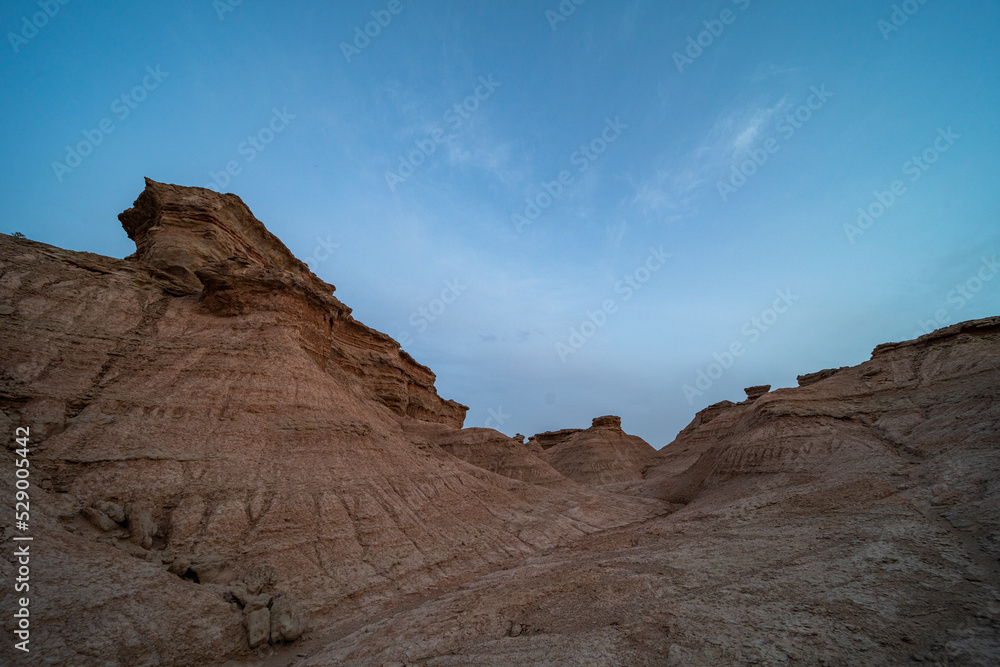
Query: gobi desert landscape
{"type": "Point", "coordinates": [461, 333]}
{"type": "Point", "coordinates": [228, 468]}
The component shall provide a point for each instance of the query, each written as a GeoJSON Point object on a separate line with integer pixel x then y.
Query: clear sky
{"type": "Point", "coordinates": [565, 210]}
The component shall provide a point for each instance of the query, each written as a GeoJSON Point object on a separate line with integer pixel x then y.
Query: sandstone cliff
{"type": "Point", "coordinates": [195, 241]}
{"type": "Point", "coordinates": [224, 461]}
{"type": "Point", "coordinates": [206, 408]}
{"type": "Point", "coordinates": [854, 520]}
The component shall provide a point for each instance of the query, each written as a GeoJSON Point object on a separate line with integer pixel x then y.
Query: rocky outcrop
{"type": "Point", "coordinates": [907, 403]}
{"type": "Point", "coordinates": [223, 459]}
{"type": "Point", "coordinates": [287, 621]}
{"type": "Point", "coordinates": [199, 242]}
{"type": "Point", "coordinates": [240, 419]}
{"type": "Point", "coordinates": [257, 624]}
{"type": "Point", "coordinates": [851, 521]}
{"type": "Point", "coordinates": [602, 454]}
{"type": "Point", "coordinates": [179, 230]}
{"type": "Point", "coordinates": [812, 378]}
{"type": "Point", "coordinates": [550, 439]}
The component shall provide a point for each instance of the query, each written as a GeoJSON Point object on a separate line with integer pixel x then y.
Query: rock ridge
{"type": "Point", "coordinates": [201, 243]}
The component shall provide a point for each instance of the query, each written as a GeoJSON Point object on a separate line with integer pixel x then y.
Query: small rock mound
{"type": "Point", "coordinates": [602, 454]}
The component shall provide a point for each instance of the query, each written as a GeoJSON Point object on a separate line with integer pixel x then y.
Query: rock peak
{"type": "Point", "coordinates": [607, 421]}
{"type": "Point", "coordinates": [178, 230]}
{"type": "Point", "coordinates": [199, 242]}
{"type": "Point", "coordinates": [753, 393]}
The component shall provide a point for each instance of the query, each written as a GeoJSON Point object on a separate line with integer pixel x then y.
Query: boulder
{"type": "Point", "coordinates": [99, 519]}
{"type": "Point", "coordinates": [115, 511]}
{"type": "Point", "coordinates": [258, 626]}
{"type": "Point", "coordinates": [262, 601]}
{"type": "Point", "coordinates": [211, 569]}
{"type": "Point", "coordinates": [140, 525]}
{"type": "Point", "coordinates": [239, 591]}
{"type": "Point", "coordinates": [287, 620]}
{"type": "Point", "coordinates": [179, 566]}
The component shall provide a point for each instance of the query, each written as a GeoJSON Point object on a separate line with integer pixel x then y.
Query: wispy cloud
{"type": "Point", "coordinates": [673, 191]}
{"type": "Point", "coordinates": [737, 130]}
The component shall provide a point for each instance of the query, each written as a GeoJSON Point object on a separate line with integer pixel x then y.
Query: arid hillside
{"type": "Point", "coordinates": [227, 468]}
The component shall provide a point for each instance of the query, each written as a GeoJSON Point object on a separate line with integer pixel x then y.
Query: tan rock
{"type": "Point", "coordinates": [201, 242]}
{"type": "Point", "coordinates": [493, 451]}
{"type": "Point", "coordinates": [288, 621]}
{"type": "Point", "coordinates": [261, 601]}
{"type": "Point", "coordinates": [258, 626]}
{"type": "Point", "coordinates": [753, 393]}
{"type": "Point", "coordinates": [211, 569]}
{"type": "Point", "coordinates": [260, 578]}
{"type": "Point", "coordinates": [99, 519]}
{"type": "Point", "coordinates": [600, 455]}
{"type": "Point", "coordinates": [239, 591]}
{"type": "Point", "coordinates": [115, 511]}
{"type": "Point", "coordinates": [140, 525]}
{"type": "Point", "coordinates": [179, 566]}
{"type": "Point", "coordinates": [214, 381]}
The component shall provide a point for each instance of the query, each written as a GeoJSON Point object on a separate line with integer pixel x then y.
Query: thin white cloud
{"type": "Point", "coordinates": [674, 190]}
{"type": "Point", "coordinates": [739, 129]}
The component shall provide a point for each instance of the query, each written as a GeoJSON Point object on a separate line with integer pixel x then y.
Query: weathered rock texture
{"type": "Point", "coordinates": [601, 454]}
{"type": "Point", "coordinates": [196, 241]}
{"type": "Point", "coordinates": [227, 468]}
{"type": "Point", "coordinates": [854, 521]}
{"type": "Point", "coordinates": [492, 451]}
{"type": "Point", "coordinates": [217, 393]}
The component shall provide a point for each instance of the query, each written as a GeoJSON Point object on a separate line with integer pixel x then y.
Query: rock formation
{"type": "Point", "coordinates": [217, 393]}
{"type": "Point", "coordinates": [195, 241]}
{"type": "Point", "coordinates": [753, 393]}
{"type": "Point", "coordinates": [851, 521]}
{"type": "Point", "coordinates": [227, 468]}
{"type": "Point", "coordinates": [601, 454]}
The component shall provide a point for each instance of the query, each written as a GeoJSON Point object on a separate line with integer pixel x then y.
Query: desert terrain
{"type": "Point", "coordinates": [227, 468]}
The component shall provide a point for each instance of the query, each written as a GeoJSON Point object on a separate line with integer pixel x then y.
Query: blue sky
{"type": "Point", "coordinates": [563, 212]}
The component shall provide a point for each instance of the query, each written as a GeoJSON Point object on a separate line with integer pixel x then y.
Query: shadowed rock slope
{"type": "Point", "coordinates": [850, 521]}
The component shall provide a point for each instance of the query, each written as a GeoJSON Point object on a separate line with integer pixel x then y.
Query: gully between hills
{"type": "Point", "coordinates": [227, 468]}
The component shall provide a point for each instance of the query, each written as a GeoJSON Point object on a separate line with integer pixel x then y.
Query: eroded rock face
{"type": "Point", "coordinates": [288, 621]}
{"type": "Point", "coordinates": [179, 230]}
{"type": "Point", "coordinates": [909, 400]}
{"type": "Point", "coordinates": [140, 525]}
{"type": "Point", "coordinates": [268, 464]}
{"type": "Point", "coordinates": [199, 242]}
{"type": "Point", "coordinates": [753, 393]}
{"type": "Point", "coordinates": [854, 521]}
{"type": "Point", "coordinates": [602, 454]}
{"type": "Point", "coordinates": [612, 422]}
{"type": "Point", "coordinates": [493, 451]}
{"type": "Point", "coordinates": [243, 419]}
{"type": "Point", "coordinates": [258, 626]}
